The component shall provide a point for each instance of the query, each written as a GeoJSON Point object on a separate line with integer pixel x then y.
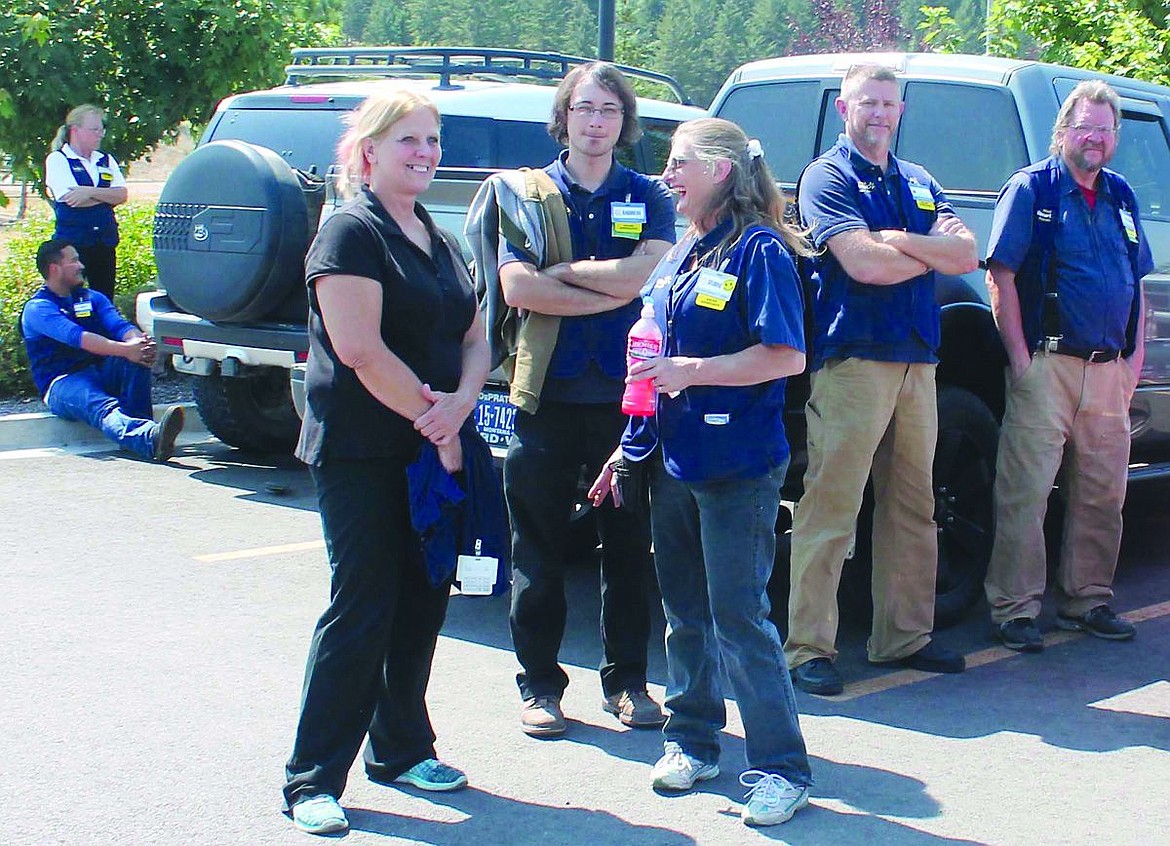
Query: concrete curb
{"type": "Point", "coordinates": [42, 430]}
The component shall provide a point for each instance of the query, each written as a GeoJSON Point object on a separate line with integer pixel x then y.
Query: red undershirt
{"type": "Point", "coordinates": [1090, 196]}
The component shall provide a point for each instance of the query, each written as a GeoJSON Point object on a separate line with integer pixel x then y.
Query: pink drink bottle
{"type": "Point", "coordinates": [645, 342]}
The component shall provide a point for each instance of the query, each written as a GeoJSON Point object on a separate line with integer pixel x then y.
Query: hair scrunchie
{"type": "Point", "coordinates": [754, 149]}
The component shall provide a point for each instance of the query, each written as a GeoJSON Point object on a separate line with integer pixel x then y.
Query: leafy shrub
{"type": "Point", "coordinates": [19, 280]}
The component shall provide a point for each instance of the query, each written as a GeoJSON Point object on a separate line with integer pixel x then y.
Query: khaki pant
{"type": "Point", "coordinates": [865, 415]}
{"type": "Point", "coordinates": [1061, 407]}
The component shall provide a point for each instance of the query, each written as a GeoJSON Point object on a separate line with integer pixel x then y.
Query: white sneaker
{"type": "Point", "coordinates": [676, 770]}
{"type": "Point", "coordinates": [319, 814]}
{"type": "Point", "coordinates": [771, 799]}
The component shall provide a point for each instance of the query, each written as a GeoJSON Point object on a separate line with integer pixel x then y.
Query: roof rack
{"type": "Point", "coordinates": [446, 62]}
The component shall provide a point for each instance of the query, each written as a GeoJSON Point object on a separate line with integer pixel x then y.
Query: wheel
{"type": "Point", "coordinates": [254, 411]}
{"type": "Point", "coordinates": [964, 477]}
{"type": "Point", "coordinates": [231, 229]}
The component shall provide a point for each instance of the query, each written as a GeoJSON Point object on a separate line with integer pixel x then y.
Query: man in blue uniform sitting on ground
{"type": "Point", "coordinates": [88, 362]}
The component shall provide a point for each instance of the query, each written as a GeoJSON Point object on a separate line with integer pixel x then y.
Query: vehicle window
{"type": "Point", "coordinates": [1143, 157]}
{"type": "Point", "coordinates": [968, 136]}
{"type": "Point", "coordinates": [771, 112]}
{"type": "Point", "coordinates": [655, 143]}
{"type": "Point", "coordinates": [831, 124]}
{"type": "Point", "coordinates": [305, 138]}
{"type": "Point", "coordinates": [484, 142]}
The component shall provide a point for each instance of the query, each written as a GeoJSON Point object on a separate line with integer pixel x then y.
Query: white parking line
{"type": "Point", "coordinates": [260, 551]}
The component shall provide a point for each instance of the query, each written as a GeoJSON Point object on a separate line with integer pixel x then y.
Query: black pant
{"type": "Point", "coordinates": [370, 657]}
{"type": "Point", "coordinates": [541, 477]}
{"type": "Point", "coordinates": [100, 268]}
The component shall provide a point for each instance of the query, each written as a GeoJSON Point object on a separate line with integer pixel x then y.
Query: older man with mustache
{"type": "Point", "coordinates": [1065, 262]}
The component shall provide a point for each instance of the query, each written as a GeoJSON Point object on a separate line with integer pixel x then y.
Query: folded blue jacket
{"type": "Point", "coordinates": [459, 515]}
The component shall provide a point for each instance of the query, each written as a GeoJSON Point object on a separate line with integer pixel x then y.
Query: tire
{"type": "Point", "coordinates": [964, 478]}
{"type": "Point", "coordinates": [253, 412]}
{"type": "Point", "coordinates": [231, 230]}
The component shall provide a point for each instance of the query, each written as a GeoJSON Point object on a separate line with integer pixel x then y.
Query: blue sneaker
{"type": "Point", "coordinates": [771, 799]}
{"type": "Point", "coordinates": [319, 814]}
{"type": "Point", "coordinates": [433, 775]}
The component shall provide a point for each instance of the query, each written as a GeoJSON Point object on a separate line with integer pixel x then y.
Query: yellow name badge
{"type": "Point", "coordinates": [628, 219]}
{"type": "Point", "coordinates": [82, 308]}
{"type": "Point", "coordinates": [1128, 224]}
{"type": "Point", "coordinates": [922, 196]}
{"type": "Point", "coordinates": [713, 288]}
{"type": "Point", "coordinates": [105, 178]}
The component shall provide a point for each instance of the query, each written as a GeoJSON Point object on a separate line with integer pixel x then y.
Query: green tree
{"type": "Point", "coordinates": [150, 64]}
{"type": "Point", "coordinates": [1110, 36]}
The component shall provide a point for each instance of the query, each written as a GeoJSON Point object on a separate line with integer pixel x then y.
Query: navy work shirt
{"type": "Point", "coordinates": [1094, 277]}
{"type": "Point", "coordinates": [588, 364]}
{"type": "Point", "coordinates": [709, 432]}
{"type": "Point", "coordinates": [52, 327]}
{"type": "Point", "coordinates": [427, 308]}
{"type": "Point", "coordinates": [840, 191]}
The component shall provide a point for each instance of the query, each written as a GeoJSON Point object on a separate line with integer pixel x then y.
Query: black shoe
{"type": "Point", "coordinates": [931, 658]}
{"type": "Point", "coordinates": [818, 676]}
{"type": "Point", "coordinates": [168, 430]}
{"type": "Point", "coordinates": [1100, 622]}
{"type": "Point", "coordinates": [1020, 634]}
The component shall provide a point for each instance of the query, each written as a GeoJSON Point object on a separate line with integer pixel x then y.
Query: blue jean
{"type": "Point", "coordinates": [112, 396]}
{"type": "Point", "coordinates": [714, 544]}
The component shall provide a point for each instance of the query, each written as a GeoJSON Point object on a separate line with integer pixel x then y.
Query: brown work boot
{"type": "Point", "coordinates": [542, 717]}
{"type": "Point", "coordinates": [634, 708]}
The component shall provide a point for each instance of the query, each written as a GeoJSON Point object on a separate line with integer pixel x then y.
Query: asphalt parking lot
{"type": "Point", "coordinates": [152, 642]}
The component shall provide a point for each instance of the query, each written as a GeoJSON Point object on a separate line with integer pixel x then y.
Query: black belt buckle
{"type": "Point", "coordinates": [1101, 356]}
{"type": "Point", "coordinates": [1057, 346]}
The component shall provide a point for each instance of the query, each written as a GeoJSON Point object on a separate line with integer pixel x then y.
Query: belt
{"type": "Point", "coordinates": [1055, 345]}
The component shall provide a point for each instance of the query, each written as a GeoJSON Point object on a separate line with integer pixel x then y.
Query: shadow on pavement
{"type": "Point", "coordinates": [492, 819]}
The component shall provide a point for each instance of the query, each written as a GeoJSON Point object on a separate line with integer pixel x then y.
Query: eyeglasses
{"type": "Point", "coordinates": [99, 130]}
{"type": "Point", "coordinates": [589, 110]}
{"type": "Point", "coordinates": [675, 162]}
{"type": "Point", "coordinates": [1085, 130]}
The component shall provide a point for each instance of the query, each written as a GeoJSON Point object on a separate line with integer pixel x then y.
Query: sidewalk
{"type": "Point", "coordinates": [41, 430]}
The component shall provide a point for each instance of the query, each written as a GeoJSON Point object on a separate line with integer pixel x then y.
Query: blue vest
{"type": "Point", "coordinates": [1035, 281]}
{"type": "Point", "coordinates": [92, 225]}
{"type": "Point", "coordinates": [600, 338]}
{"type": "Point", "coordinates": [48, 358]}
{"type": "Point", "coordinates": [881, 322]}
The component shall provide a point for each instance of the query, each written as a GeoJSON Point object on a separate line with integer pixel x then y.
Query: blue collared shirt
{"type": "Point", "coordinates": [711, 432]}
{"type": "Point", "coordinates": [841, 191]}
{"type": "Point", "coordinates": [1094, 277]}
{"type": "Point", "coordinates": [52, 327]}
{"type": "Point", "coordinates": [588, 364]}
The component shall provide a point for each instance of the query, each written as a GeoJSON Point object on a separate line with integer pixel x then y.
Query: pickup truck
{"type": "Point", "coordinates": [971, 121]}
{"type": "Point", "coordinates": [235, 218]}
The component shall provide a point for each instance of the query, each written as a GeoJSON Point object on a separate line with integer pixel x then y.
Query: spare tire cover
{"type": "Point", "coordinates": [230, 232]}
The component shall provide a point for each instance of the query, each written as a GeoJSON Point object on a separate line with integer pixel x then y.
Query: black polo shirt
{"type": "Point", "coordinates": [427, 308]}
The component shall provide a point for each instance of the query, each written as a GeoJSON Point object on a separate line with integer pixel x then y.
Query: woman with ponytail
{"type": "Point", "coordinates": [728, 301]}
{"type": "Point", "coordinates": [85, 183]}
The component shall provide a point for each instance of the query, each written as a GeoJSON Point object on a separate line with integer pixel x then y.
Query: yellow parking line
{"type": "Point", "coordinates": [260, 551]}
{"type": "Point", "coordinates": [901, 678]}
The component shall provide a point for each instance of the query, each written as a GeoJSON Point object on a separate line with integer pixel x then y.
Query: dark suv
{"type": "Point", "coordinates": [235, 218]}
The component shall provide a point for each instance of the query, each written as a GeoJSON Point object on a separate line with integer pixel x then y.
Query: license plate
{"type": "Point", "coordinates": [494, 418]}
